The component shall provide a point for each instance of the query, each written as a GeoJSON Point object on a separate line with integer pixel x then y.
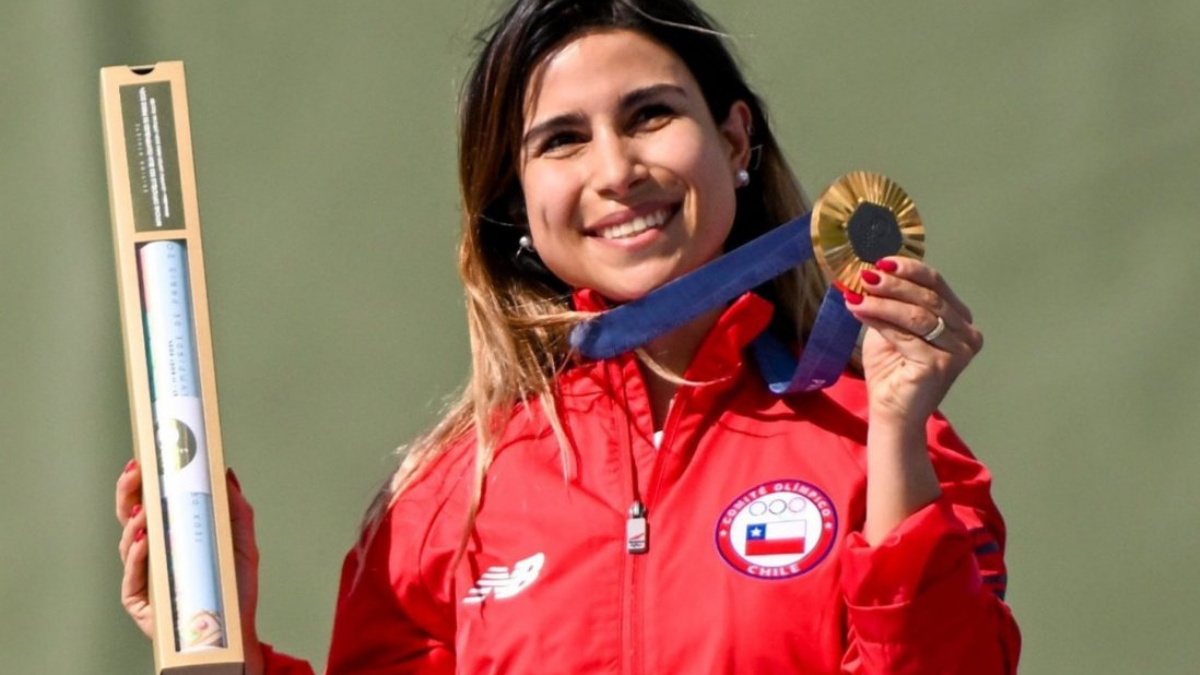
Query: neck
{"type": "Point", "coordinates": [673, 352]}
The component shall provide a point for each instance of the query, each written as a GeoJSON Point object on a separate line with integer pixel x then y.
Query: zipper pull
{"type": "Point", "coordinates": [637, 530]}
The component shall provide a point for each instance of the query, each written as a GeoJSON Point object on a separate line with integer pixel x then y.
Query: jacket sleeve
{"type": "Point", "coordinates": [381, 625]}
{"type": "Point", "coordinates": [278, 663]}
{"type": "Point", "coordinates": [395, 607]}
{"type": "Point", "coordinates": [395, 611]}
{"type": "Point", "coordinates": [930, 597]}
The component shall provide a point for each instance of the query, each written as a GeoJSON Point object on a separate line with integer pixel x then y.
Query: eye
{"type": "Point", "coordinates": [652, 116]}
{"type": "Point", "coordinates": [559, 143]}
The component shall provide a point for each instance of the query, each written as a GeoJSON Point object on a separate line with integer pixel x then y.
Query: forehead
{"type": "Point", "coordinates": [597, 68]}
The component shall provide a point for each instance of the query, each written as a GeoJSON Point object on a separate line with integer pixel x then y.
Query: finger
{"type": "Point", "coordinates": [917, 348]}
{"type": "Point", "coordinates": [907, 322]}
{"type": "Point", "coordinates": [133, 532]}
{"type": "Point", "coordinates": [135, 596]}
{"type": "Point", "coordinates": [920, 275]}
{"type": "Point", "coordinates": [129, 490]}
{"type": "Point", "coordinates": [901, 293]}
{"type": "Point", "coordinates": [913, 320]}
{"type": "Point", "coordinates": [241, 516]}
{"type": "Point", "coordinates": [245, 548]}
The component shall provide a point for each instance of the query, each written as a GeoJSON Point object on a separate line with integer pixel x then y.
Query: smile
{"type": "Point", "coordinates": [636, 226]}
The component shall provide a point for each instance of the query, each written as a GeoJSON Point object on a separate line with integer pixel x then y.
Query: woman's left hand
{"type": "Point", "coordinates": [909, 358]}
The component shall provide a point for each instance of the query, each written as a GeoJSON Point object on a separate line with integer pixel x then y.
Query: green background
{"type": "Point", "coordinates": [1053, 148]}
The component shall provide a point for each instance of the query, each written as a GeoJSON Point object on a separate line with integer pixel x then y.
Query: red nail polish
{"type": "Point", "coordinates": [886, 265]}
{"type": "Point", "coordinates": [130, 466]}
{"type": "Point", "coordinates": [133, 512]}
{"type": "Point", "coordinates": [852, 298]}
{"type": "Point", "coordinates": [233, 479]}
{"type": "Point", "coordinates": [870, 277]}
{"type": "Point", "coordinates": [141, 534]}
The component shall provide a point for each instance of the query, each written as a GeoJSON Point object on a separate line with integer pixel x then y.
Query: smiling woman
{"type": "Point", "coordinates": [660, 511]}
{"type": "Point", "coordinates": [628, 180]}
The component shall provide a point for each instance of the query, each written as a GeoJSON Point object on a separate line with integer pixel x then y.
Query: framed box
{"type": "Point", "coordinates": [169, 369]}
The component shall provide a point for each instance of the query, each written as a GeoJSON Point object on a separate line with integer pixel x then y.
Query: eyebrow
{"type": "Point", "coordinates": [630, 99]}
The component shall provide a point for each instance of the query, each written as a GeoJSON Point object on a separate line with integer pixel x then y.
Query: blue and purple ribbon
{"type": "Point", "coordinates": [830, 344]}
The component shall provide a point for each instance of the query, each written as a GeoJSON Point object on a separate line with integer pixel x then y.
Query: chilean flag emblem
{"type": "Point", "coordinates": [775, 538]}
{"type": "Point", "coordinates": [777, 530]}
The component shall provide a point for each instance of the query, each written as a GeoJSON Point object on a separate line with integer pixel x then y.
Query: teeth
{"type": "Point", "coordinates": [636, 226]}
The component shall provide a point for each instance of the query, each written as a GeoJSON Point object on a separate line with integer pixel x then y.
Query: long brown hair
{"type": "Point", "coordinates": [518, 313]}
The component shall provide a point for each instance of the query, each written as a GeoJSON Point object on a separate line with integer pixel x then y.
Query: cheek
{"type": "Point", "coordinates": [552, 208]}
{"type": "Point", "coordinates": [683, 148]}
{"type": "Point", "coordinates": [718, 183]}
{"type": "Point", "coordinates": [697, 158]}
{"type": "Point", "coordinates": [551, 199]}
{"type": "Point", "coordinates": [711, 177]}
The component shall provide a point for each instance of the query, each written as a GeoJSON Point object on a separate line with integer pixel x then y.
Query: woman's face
{"type": "Point", "coordinates": [628, 181]}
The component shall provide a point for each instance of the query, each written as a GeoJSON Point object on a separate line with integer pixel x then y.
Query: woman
{"type": "Point", "coordinates": [607, 147]}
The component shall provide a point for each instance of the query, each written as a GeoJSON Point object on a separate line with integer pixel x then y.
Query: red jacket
{"type": "Point", "coordinates": [755, 561]}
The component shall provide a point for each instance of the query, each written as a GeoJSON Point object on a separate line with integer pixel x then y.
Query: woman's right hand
{"type": "Point", "coordinates": [134, 550]}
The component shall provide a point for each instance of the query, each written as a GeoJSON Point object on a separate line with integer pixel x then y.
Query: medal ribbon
{"type": "Point", "coordinates": [834, 333]}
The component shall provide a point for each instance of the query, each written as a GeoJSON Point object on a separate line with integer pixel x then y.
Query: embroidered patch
{"type": "Point", "coordinates": [777, 530]}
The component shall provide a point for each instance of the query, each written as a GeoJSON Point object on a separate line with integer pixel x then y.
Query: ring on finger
{"type": "Point", "coordinates": [937, 330]}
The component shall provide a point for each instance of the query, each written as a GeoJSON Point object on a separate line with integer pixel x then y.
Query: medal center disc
{"type": "Point", "coordinates": [873, 232]}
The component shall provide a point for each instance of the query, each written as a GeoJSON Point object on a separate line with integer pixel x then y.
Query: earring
{"type": "Point", "coordinates": [527, 260]}
{"type": "Point", "coordinates": [743, 178]}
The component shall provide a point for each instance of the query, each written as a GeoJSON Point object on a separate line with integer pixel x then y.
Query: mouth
{"type": "Point", "coordinates": [636, 225]}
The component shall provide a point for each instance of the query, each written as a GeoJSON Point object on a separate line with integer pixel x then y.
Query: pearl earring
{"type": "Point", "coordinates": [526, 244]}
{"type": "Point", "coordinates": [743, 178]}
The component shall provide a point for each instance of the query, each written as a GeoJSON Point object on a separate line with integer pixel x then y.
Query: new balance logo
{"type": "Point", "coordinates": [500, 582]}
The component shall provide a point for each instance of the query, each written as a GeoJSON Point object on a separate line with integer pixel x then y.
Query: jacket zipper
{"type": "Point", "coordinates": [634, 562]}
{"type": "Point", "coordinates": [617, 381]}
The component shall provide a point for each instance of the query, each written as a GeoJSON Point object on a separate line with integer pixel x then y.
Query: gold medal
{"type": "Point", "coordinates": [859, 219]}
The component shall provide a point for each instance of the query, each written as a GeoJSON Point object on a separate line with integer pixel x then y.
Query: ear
{"type": "Point", "coordinates": [736, 132]}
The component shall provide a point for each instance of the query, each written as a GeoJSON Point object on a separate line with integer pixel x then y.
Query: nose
{"type": "Point", "coordinates": [616, 166]}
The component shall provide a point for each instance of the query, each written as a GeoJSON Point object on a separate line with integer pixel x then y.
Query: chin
{"type": "Point", "coordinates": [626, 282]}
{"type": "Point", "coordinates": [628, 292]}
